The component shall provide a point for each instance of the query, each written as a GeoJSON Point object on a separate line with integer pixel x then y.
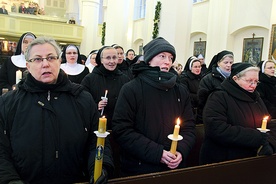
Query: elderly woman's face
{"type": "Point", "coordinates": [46, 71]}
{"type": "Point", "coordinates": [109, 59]}
{"type": "Point", "coordinates": [248, 81]}
{"type": "Point", "coordinates": [269, 68]}
{"type": "Point", "coordinates": [226, 64]}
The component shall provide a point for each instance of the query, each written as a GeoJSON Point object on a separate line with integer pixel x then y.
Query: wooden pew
{"type": "Point", "coordinates": [255, 170]}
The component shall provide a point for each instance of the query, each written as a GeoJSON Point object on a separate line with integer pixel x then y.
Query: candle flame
{"type": "Point", "coordinates": [266, 117]}
{"type": "Point", "coordinates": [103, 116]}
{"type": "Point", "coordinates": [178, 121]}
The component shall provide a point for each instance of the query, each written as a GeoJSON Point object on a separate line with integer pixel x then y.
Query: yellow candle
{"type": "Point", "coordinates": [102, 125]}
{"type": "Point", "coordinates": [264, 123]}
{"type": "Point", "coordinates": [99, 158]}
{"type": "Point", "coordinates": [175, 136]}
{"type": "Point", "coordinates": [173, 147]}
{"type": "Point", "coordinates": [176, 129]}
{"type": "Point", "coordinates": [18, 76]}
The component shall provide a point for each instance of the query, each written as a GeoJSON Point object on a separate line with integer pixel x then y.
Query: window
{"type": "Point", "coordinates": [197, 1]}
{"type": "Point", "coordinates": [139, 9]}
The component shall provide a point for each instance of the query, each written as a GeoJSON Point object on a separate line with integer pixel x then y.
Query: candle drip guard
{"type": "Point", "coordinates": [175, 139]}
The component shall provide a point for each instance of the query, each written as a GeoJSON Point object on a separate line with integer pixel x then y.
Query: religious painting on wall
{"type": "Point", "coordinates": [199, 48]}
{"type": "Point", "coordinates": [252, 50]}
{"type": "Point", "coordinates": [272, 48]}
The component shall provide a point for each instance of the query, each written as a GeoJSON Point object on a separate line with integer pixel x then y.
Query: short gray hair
{"type": "Point", "coordinates": [41, 41]}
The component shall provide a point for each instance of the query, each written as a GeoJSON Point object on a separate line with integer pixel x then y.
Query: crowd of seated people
{"type": "Point", "coordinates": [32, 8]}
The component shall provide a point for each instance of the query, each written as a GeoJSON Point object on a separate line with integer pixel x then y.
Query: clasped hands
{"type": "Point", "coordinates": [171, 160]}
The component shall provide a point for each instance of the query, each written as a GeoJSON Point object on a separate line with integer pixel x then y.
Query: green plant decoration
{"type": "Point", "coordinates": [156, 20]}
{"type": "Point", "coordinates": [103, 34]}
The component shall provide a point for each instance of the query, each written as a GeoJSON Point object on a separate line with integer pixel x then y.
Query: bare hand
{"type": "Point", "coordinates": [102, 104]}
{"type": "Point", "coordinates": [171, 160]}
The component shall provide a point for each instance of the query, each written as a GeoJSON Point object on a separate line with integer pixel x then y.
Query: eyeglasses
{"type": "Point", "coordinates": [109, 58]}
{"type": "Point", "coordinates": [250, 82]}
{"type": "Point", "coordinates": [40, 59]}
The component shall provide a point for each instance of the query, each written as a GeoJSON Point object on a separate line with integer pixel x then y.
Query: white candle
{"type": "Point", "coordinates": [18, 76]}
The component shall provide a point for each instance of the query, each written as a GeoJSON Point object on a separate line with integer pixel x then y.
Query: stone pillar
{"type": "Point", "coordinates": [72, 10]}
{"type": "Point", "coordinates": [175, 26]}
{"type": "Point", "coordinates": [89, 16]}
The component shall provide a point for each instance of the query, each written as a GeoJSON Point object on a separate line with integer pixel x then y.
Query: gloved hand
{"type": "Point", "coordinates": [265, 149]}
{"type": "Point", "coordinates": [102, 179]}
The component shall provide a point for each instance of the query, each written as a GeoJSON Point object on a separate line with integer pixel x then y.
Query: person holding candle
{"type": "Point", "coordinates": [11, 69]}
{"type": "Point", "coordinates": [231, 117]}
{"type": "Point", "coordinates": [72, 64]}
{"type": "Point", "coordinates": [107, 79]}
{"type": "Point", "coordinates": [267, 86]}
{"type": "Point", "coordinates": [47, 125]}
{"type": "Point", "coordinates": [146, 113]}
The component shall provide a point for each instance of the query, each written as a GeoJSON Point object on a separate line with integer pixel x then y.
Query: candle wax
{"type": "Point", "coordinates": [18, 76]}
{"type": "Point", "coordinates": [102, 125]}
{"type": "Point", "coordinates": [264, 123]}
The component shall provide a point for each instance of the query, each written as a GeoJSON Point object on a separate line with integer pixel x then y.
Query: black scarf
{"type": "Point", "coordinates": [253, 95]}
{"type": "Point", "coordinates": [154, 77]}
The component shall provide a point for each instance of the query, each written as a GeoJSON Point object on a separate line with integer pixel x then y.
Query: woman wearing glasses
{"type": "Point", "coordinates": [72, 65]}
{"type": "Point", "coordinates": [231, 117]}
{"type": "Point", "coordinates": [267, 87]}
{"type": "Point", "coordinates": [105, 76]}
{"type": "Point", "coordinates": [47, 125]}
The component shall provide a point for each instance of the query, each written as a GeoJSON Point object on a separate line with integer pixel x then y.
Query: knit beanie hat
{"type": "Point", "coordinates": [238, 67]}
{"type": "Point", "coordinates": [156, 46]}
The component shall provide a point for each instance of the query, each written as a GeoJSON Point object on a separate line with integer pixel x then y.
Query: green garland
{"type": "Point", "coordinates": [103, 33]}
{"type": "Point", "coordinates": [156, 20]}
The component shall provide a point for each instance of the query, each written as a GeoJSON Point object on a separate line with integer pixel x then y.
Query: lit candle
{"type": "Point", "coordinates": [100, 148]}
{"type": "Point", "coordinates": [18, 76]}
{"type": "Point", "coordinates": [264, 123]}
{"type": "Point", "coordinates": [175, 136]}
{"type": "Point", "coordinates": [102, 125]}
{"type": "Point", "coordinates": [176, 129]}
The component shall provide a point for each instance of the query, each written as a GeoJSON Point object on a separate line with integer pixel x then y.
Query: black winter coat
{"type": "Point", "coordinates": [46, 133]}
{"type": "Point", "coordinates": [192, 82]}
{"type": "Point", "coordinates": [145, 114]}
{"type": "Point", "coordinates": [231, 117]}
{"type": "Point", "coordinates": [267, 90]}
{"type": "Point", "coordinates": [100, 80]}
{"type": "Point", "coordinates": [209, 83]}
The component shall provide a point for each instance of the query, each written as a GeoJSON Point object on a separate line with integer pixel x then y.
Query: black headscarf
{"type": "Point", "coordinates": [190, 62]}
{"type": "Point", "coordinates": [19, 44]}
{"type": "Point", "coordinates": [216, 59]}
{"type": "Point", "coordinates": [98, 57]}
{"type": "Point", "coordinates": [63, 56]}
